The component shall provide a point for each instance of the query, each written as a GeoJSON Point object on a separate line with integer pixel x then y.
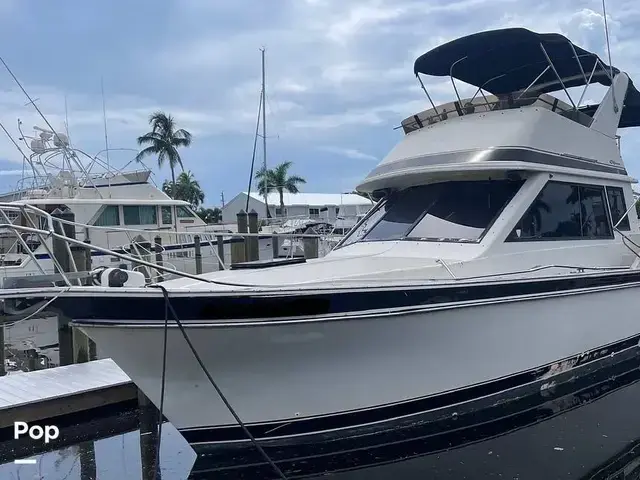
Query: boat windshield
{"type": "Point", "coordinates": [455, 211]}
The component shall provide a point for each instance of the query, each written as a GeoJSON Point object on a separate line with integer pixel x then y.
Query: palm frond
{"type": "Point", "coordinates": [150, 150]}
{"type": "Point", "coordinates": [182, 136]}
{"type": "Point", "coordinates": [296, 179]}
{"type": "Point", "coordinates": [149, 138]}
{"type": "Point", "coordinates": [162, 155]}
{"type": "Point", "coordinates": [161, 122]}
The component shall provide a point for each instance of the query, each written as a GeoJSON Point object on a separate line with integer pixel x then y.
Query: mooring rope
{"type": "Point", "coordinates": [169, 307]}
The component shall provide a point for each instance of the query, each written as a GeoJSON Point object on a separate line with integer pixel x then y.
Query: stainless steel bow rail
{"type": "Point", "coordinates": [31, 225]}
{"type": "Point", "coordinates": [47, 284]}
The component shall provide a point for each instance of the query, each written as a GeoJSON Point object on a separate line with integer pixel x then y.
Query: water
{"type": "Point", "coordinates": [590, 432]}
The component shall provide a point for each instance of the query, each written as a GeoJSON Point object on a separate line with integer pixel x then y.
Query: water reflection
{"type": "Point", "coordinates": [116, 457]}
{"type": "Point", "coordinates": [590, 432]}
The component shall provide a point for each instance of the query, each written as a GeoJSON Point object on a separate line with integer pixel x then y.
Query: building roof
{"type": "Point", "coordinates": [312, 199]}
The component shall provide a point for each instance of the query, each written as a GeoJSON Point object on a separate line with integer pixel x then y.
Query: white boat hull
{"type": "Point", "coordinates": [288, 371]}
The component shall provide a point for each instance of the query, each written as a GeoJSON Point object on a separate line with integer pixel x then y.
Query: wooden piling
{"type": "Point", "coordinates": [237, 248]}
{"type": "Point", "coordinates": [252, 249]}
{"type": "Point", "coordinates": [140, 245]}
{"type": "Point", "coordinates": [275, 246]}
{"type": "Point", "coordinates": [60, 246]}
{"type": "Point", "coordinates": [88, 259]}
{"type": "Point", "coordinates": [311, 246]}
{"type": "Point", "coordinates": [157, 246]}
{"type": "Point", "coordinates": [148, 415]}
{"type": "Point", "coordinates": [3, 370]}
{"type": "Point", "coordinates": [65, 341]}
{"type": "Point", "coordinates": [32, 360]}
{"type": "Point", "coordinates": [220, 242]}
{"type": "Point", "coordinates": [198, 254]}
{"type": "Point", "coordinates": [70, 341]}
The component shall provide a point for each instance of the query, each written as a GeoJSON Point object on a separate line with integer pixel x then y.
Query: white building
{"type": "Point", "coordinates": [327, 206]}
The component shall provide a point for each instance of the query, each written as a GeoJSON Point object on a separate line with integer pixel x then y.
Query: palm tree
{"type": "Point", "coordinates": [277, 179]}
{"type": "Point", "coordinates": [210, 215]}
{"type": "Point", "coordinates": [164, 140]}
{"type": "Point", "coordinates": [187, 188]}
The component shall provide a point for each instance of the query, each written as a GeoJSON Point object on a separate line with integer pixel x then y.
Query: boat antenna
{"type": "Point", "coordinates": [606, 33]}
{"type": "Point", "coordinates": [24, 157]}
{"type": "Point", "coordinates": [106, 137]}
{"type": "Point", "coordinates": [53, 130]}
{"type": "Point", "coordinates": [264, 134]}
{"type": "Point", "coordinates": [66, 118]}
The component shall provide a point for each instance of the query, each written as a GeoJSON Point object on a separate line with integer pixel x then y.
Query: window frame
{"type": "Point", "coordinates": [314, 215]}
{"type": "Point", "coordinates": [185, 208]}
{"type": "Point", "coordinates": [625, 214]}
{"type": "Point", "coordinates": [509, 238]}
{"type": "Point", "coordinates": [170, 222]}
{"type": "Point", "coordinates": [102, 210]}
{"type": "Point", "coordinates": [155, 210]}
{"type": "Point", "coordinates": [380, 204]}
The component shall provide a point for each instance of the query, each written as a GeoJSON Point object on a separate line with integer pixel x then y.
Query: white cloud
{"type": "Point", "coordinates": [339, 73]}
{"type": "Point", "coordinates": [348, 152]}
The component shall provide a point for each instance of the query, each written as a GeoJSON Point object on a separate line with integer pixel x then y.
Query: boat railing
{"type": "Point", "coordinates": [491, 103]}
{"type": "Point", "coordinates": [159, 254]}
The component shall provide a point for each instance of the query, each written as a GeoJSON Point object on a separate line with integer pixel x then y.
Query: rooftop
{"type": "Point", "coordinates": [313, 199]}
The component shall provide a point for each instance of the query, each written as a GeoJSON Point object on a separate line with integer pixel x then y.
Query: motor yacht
{"type": "Point", "coordinates": [502, 253]}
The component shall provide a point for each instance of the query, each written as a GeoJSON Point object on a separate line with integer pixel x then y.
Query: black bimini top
{"type": "Point", "coordinates": [510, 59]}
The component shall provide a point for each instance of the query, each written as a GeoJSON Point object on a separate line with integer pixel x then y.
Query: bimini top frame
{"type": "Point", "coordinates": [513, 60]}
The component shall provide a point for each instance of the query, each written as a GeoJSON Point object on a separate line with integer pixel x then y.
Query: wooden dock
{"type": "Point", "coordinates": [57, 392]}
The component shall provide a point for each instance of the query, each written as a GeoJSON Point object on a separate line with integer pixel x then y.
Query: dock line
{"type": "Point", "coordinates": [169, 307]}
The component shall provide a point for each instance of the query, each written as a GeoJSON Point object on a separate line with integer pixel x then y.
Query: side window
{"type": "Point", "coordinates": [165, 212]}
{"type": "Point", "coordinates": [183, 212]}
{"type": "Point", "coordinates": [140, 215]}
{"type": "Point", "coordinates": [618, 207]}
{"type": "Point", "coordinates": [110, 217]}
{"type": "Point", "coordinates": [565, 212]}
{"type": "Point", "coordinates": [314, 212]}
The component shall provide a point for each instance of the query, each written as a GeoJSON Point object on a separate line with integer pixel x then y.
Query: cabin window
{"type": "Point", "coordinates": [314, 212]}
{"type": "Point", "coordinates": [140, 215]}
{"type": "Point", "coordinates": [110, 217]}
{"type": "Point", "coordinates": [563, 211]}
{"type": "Point", "coordinates": [184, 212]}
{"type": "Point", "coordinates": [281, 212]}
{"type": "Point", "coordinates": [165, 212]}
{"type": "Point", "coordinates": [618, 208]}
{"type": "Point", "coordinates": [455, 211]}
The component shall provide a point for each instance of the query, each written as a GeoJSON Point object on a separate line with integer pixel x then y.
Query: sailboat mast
{"type": "Point", "coordinates": [264, 133]}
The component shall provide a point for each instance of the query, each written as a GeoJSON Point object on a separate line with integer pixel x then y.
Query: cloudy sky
{"type": "Point", "coordinates": [339, 74]}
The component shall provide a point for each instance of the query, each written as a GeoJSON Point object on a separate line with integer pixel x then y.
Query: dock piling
{"type": "Point", "coordinates": [311, 246]}
{"type": "Point", "coordinates": [3, 370]}
{"type": "Point", "coordinates": [198, 254]}
{"type": "Point", "coordinates": [157, 246]}
{"type": "Point", "coordinates": [252, 242]}
{"type": "Point", "coordinates": [238, 248]}
{"type": "Point", "coordinates": [70, 341]}
{"type": "Point", "coordinates": [220, 242]}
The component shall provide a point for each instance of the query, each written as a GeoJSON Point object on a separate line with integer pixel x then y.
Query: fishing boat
{"type": "Point", "coordinates": [115, 208]}
{"type": "Point", "coordinates": [501, 254]}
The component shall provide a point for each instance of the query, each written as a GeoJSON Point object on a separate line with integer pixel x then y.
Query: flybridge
{"type": "Point", "coordinates": [520, 75]}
